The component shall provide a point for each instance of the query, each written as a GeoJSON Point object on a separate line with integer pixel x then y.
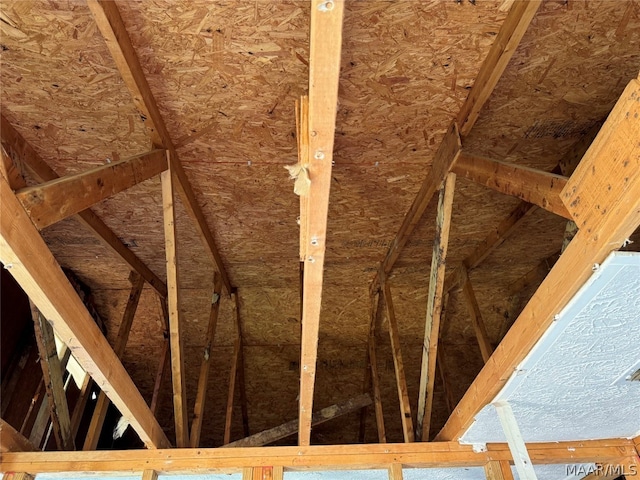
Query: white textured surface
{"type": "Point", "coordinates": [571, 386]}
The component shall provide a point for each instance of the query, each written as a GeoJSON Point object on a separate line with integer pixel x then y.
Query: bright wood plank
{"type": "Point", "coordinates": [63, 197]}
{"type": "Point", "coordinates": [290, 428]}
{"type": "Point", "coordinates": [13, 141]}
{"type": "Point", "coordinates": [149, 475]}
{"type": "Point", "coordinates": [324, 69]}
{"type": "Point", "coordinates": [528, 184]}
{"type": "Point", "coordinates": [498, 470]}
{"type": "Point", "coordinates": [13, 441]}
{"type": "Point", "coordinates": [398, 364]}
{"type": "Point", "coordinates": [112, 28]}
{"type": "Point", "coordinates": [504, 46]}
{"type": "Point", "coordinates": [476, 316]}
{"type": "Point", "coordinates": [36, 270]}
{"type": "Point", "coordinates": [102, 404]}
{"type": "Point", "coordinates": [434, 308]}
{"type": "Point", "coordinates": [52, 373]}
{"type": "Point", "coordinates": [418, 454]}
{"type": "Point", "coordinates": [235, 371]}
{"type": "Point", "coordinates": [395, 472]}
{"type": "Point", "coordinates": [616, 162]}
{"type": "Point", "coordinates": [203, 379]}
{"type": "Point", "coordinates": [173, 303]}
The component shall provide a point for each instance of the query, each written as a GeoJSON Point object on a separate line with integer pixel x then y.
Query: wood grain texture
{"type": "Point", "coordinates": [40, 276]}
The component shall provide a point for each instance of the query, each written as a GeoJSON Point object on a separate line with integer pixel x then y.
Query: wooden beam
{"type": "Point", "coordinates": [503, 48]}
{"type": "Point", "coordinates": [162, 368]}
{"type": "Point", "coordinates": [434, 308]}
{"type": "Point", "coordinates": [528, 184]}
{"type": "Point", "coordinates": [263, 473]}
{"type": "Point", "coordinates": [61, 198]}
{"type": "Point", "coordinates": [102, 405]}
{"type": "Point", "coordinates": [605, 225]}
{"type": "Point", "coordinates": [173, 301]}
{"type": "Point", "coordinates": [203, 380]}
{"type": "Point", "coordinates": [17, 476]}
{"type": "Point", "coordinates": [346, 457]}
{"type": "Point", "coordinates": [18, 147]}
{"type": "Point", "coordinates": [12, 440]}
{"type": "Point", "coordinates": [396, 350]}
{"type": "Point", "coordinates": [498, 470]}
{"type": "Point", "coordinates": [518, 448]}
{"type": "Point", "coordinates": [395, 472]}
{"type": "Point", "coordinates": [443, 162]}
{"type": "Point", "coordinates": [290, 428]}
{"type": "Point", "coordinates": [112, 28]}
{"type": "Point", "coordinates": [25, 254]}
{"type": "Point", "coordinates": [52, 372]}
{"type": "Point", "coordinates": [237, 370]}
{"type": "Point", "coordinates": [440, 363]}
{"type": "Point", "coordinates": [324, 70]}
{"type": "Point", "coordinates": [373, 365]}
{"type": "Point", "coordinates": [149, 475]}
{"type": "Point", "coordinates": [241, 369]}
{"type": "Point", "coordinates": [476, 316]}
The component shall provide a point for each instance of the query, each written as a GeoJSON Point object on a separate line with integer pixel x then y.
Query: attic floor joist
{"type": "Point", "coordinates": [346, 457]}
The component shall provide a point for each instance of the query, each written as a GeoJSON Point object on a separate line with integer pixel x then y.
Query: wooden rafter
{"type": "Point", "coordinates": [606, 217]}
{"type": "Point", "coordinates": [52, 373]}
{"type": "Point", "coordinates": [12, 440]}
{"type": "Point", "coordinates": [498, 470]}
{"type": "Point", "coordinates": [504, 46]}
{"type": "Point", "coordinates": [434, 308]}
{"type": "Point", "coordinates": [102, 404]}
{"type": "Point", "coordinates": [324, 70]}
{"type": "Point", "coordinates": [417, 454]}
{"type": "Point", "coordinates": [476, 316]}
{"type": "Point", "coordinates": [173, 303]}
{"type": "Point", "coordinates": [111, 25]}
{"type": "Point", "coordinates": [290, 428]}
{"type": "Point", "coordinates": [36, 270]}
{"type": "Point", "coordinates": [398, 363]}
{"type": "Point", "coordinates": [530, 185]}
{"type": "Point", "coordinates": [203, 379]}
{"type": "Point", "coordinates": [18, 147]}
{"type": "Point", "coordinates": [61, 198]}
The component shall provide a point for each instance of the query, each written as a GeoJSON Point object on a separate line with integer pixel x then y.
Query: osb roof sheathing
{"type": "Point", "coordinates": [226, 76]}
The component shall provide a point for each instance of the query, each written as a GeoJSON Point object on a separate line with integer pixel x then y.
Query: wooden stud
{"type": "Point", "coordinates": [114, 32]}
{"type": "Point", "coordinates": [173, 301]}
{"type": "Point", "coordinates": [401, 382]}
{"type": "Point", "coordinates": [149, 475]}
{"type": "Point", "coordinates": [290, 428]}
{"type": "Point", "coordinates": [203, 379]}
{"type": "Point", "coordinates": [61, 198]}
{"type": "Point", "coordinates": [530, 185]}
{"type": "Point", "coordinates": [13, 441]}
{"type": "Point", "coordinates": [434, 308]}
{"type": "Point", "coordinates": [356, 456]}
{"type": "Point", "coordinates": [476, 317]}
{"type": "Point", "coordinates": [18, 476]}
{"type": "Point", "coordinates": [79, 408]}
{"type": "Point", "coordinates": [52, 373]}
{"type": "Point", "coordinates": [448, 393]}
{"type": "Point", "coordinates": [263, 473]}
{"type": "Point", "coordinates": [373, 365]}
{"type": "Point", "coordinates": [324, 69]}
{"type": "Point", "coordinates": [504, 46]}
{"type": "Point", "coordinates": [518, 448]}
{"type": "Point", "coordinates": [102, 404]}
{"type": "Point", "coordinates": [15, 143]}
{"type": "Point", "coordinates": [33, 266]}
{"type": "Point", "coordinates": [611, 220]}
{"type": "Point", "coordinates": [395, 472]}
{"type": "Point", "coordinates": [241, 369]}
{"type": "Point", "coordinates": [237, 370]}
{"type": "Point", "coordinates": [10, 171]}
{"type": "Point", "coordinates": [498, 470]}
{"type": "Point", "coordinates": [160, 373]}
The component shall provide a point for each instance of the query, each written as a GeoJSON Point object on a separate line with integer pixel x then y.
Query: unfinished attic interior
{"type": "Point", "coordinates": [320, 239]}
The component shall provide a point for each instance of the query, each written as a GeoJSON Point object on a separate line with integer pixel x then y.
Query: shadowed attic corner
{"type": "Point", "coordinates": [443, 286]}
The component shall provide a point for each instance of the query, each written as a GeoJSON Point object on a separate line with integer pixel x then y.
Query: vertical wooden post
{"type": "Point", "coordinates": [395, 472]}
{"type": "Point", "coordinates": [175, 327]}
{"type": "Point", "coordinates": [52, 373]}
{"type": "Point", "coordinates": [498, 470]}
{"type": "Point", "coordinates": [476, 317]}
{"type": "Point", "coordinates": [149, 475]}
